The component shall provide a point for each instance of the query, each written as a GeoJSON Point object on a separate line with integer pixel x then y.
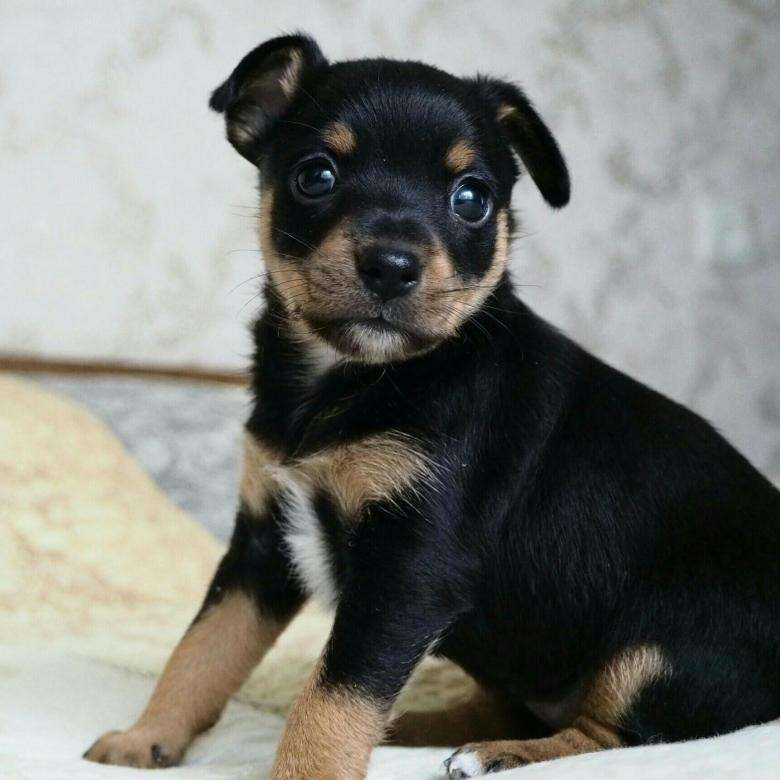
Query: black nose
{"type": "Point", "coordinates": [388, 272]}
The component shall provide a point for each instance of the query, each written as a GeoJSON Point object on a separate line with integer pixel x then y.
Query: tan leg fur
{"type": "Point", "coordinates": [210, 663]}
{"type": "Point", "coordinates": [329, 735]}
{"type": "Point", "coordinates": [607, 699]}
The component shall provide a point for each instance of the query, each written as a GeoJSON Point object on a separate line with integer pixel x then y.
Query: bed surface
{"type": "Point", "coordinates": [90, 604]}
{"type": "Point", "coordinates": [187, 435]}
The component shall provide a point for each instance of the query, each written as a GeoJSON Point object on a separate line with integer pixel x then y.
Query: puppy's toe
{"type": "Point", "coordinates": [137, 749]}
{"type": "Point", "coordinates": [464, 763]}
{"type": "Point", "coordinates": [478, 759]}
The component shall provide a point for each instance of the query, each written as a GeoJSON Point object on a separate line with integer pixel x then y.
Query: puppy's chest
{"type": "Point", "coordinates": [312, 546]}
{"type": "Point", "coordinates": [321, 497]}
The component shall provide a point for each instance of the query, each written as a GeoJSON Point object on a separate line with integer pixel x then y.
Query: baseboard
{"type": "Point", "coordinates": [34, 364]}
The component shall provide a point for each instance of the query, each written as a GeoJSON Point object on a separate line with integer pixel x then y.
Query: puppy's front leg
{"type": "Point", "coordinates": [343, 711]}
{"type": "Point", "coordinates": [330, 731]}
{"type": "Point", "coordinates": [251, 599]}
{"type": "Point", "coordinates": [388, 616]}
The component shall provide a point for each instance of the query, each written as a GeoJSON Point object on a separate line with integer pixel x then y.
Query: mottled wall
{"type": "Point", "coordinates": [125, 219]}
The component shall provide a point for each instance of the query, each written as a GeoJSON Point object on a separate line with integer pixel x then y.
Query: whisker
{"type": "Point", "coordinates": [240, 311]}
{"type": "Point", "coordinates": [467, 288]}
{"type": "Point", "coordinates": [300, 124]}
{"type": "Point", "coordinates": [246, 281]}
{"type": "Point", "coordinates": [296, 238]}
{"type": "Point", "coordinates": [315, 101]}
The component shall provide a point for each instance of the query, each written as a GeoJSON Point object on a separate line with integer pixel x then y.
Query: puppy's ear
{"type": "Point", "coordinates": [530, 139]}
{"type": "Point", "coordinates": [261, 89]}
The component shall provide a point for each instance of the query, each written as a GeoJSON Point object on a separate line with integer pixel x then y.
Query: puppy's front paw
{"type": "Point", "coordinates": [478, 759]}
{"type": "Point", "coordinates": [138, 748]}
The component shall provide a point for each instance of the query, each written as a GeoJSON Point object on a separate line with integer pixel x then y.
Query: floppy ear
{"type": "Point", "coordinates": [530, 139]}
{"type": "Point", "coordinates": [261, 89]}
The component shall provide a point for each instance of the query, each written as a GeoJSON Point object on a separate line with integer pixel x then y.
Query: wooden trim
{"type": "Point", "coordinates": [43, 365]}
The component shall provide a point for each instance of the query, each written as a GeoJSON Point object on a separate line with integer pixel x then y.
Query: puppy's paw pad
{"type": "Point", "coordinates": [136, 749]}
{"type": "Point", "coordinates": [464, 763]}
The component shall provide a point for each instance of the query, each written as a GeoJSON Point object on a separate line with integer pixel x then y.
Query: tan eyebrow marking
{"type": "Point", "coordinates": [460, 156]}
{"type": "Point", "coordinates": [340, 137]}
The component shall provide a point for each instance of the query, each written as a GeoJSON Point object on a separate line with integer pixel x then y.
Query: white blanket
{"type": "Point", "coordinates": [47, 719]}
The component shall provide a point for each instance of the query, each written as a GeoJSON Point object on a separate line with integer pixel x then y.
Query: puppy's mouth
{"type": "Point", "coordinates": [374, 339]}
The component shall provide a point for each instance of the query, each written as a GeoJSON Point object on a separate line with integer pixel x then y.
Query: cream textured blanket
{"type": "Point", "coordinates": [99, 576]}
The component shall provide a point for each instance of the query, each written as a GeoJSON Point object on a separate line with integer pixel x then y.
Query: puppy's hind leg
{"type": "Point", "coordinates": [609, 698]}
{"type": "Point", "coordinates": [480, 717]}
{"type": "Point", "coordinates": [479, 758]}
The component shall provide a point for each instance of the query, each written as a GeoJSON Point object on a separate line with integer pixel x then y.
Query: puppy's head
{"type": "Point", "coordinates": [386, 189]}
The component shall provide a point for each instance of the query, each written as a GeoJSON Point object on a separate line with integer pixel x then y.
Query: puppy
{"type": "Point", "coordinates": [448, 471]}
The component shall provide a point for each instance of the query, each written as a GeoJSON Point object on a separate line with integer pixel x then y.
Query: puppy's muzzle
{"type": "Point", "coordinates": [388, 272]}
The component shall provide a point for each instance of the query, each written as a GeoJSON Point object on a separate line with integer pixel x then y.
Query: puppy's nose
{"type": "Point", "coordinates": [388, 272]}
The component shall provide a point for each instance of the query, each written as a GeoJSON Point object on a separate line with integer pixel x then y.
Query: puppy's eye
{"type": "Point", "coordinates": [471, 201]}
{"type": "Point", "coordinates": [315, 179]}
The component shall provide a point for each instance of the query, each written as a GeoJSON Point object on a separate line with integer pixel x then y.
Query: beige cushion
{"type": "Point", "coordinates": [94, 559]}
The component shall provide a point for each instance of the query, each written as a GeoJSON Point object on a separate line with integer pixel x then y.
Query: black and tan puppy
{"type": "Point", "coordinates": [448, 471]}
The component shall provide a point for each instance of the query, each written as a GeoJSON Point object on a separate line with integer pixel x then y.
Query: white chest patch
{"type": "Point", "coordinates": [306, 541]}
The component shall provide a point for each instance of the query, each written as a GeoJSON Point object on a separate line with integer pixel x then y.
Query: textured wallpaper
{"type": "Point", "coordinates": [126, 221]}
